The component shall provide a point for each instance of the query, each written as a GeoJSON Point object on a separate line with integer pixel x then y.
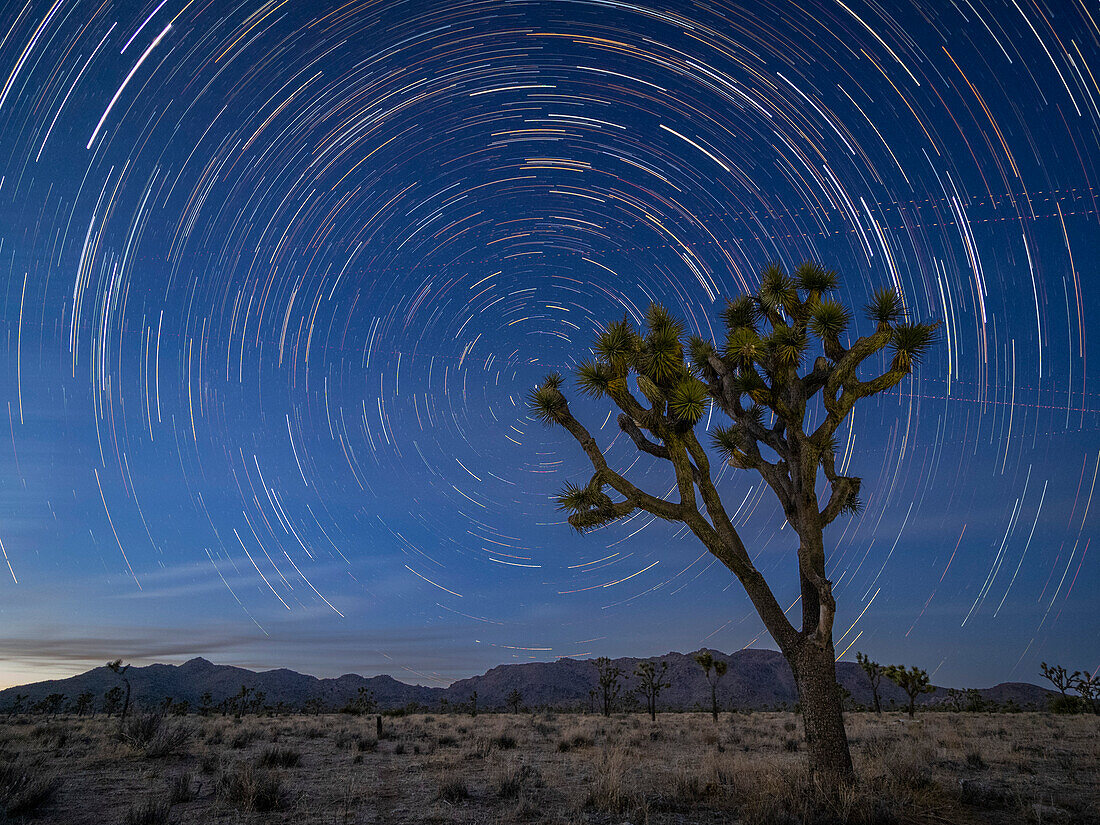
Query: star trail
{"type": "Point", "coordinates": [277, 277]}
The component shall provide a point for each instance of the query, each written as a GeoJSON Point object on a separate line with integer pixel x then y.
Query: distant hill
{"type": "Point", "coordinates": [757, 679]}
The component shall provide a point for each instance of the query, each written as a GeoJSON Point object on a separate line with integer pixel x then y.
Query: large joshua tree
{"type": "Point", "coordinates": [663, 386]}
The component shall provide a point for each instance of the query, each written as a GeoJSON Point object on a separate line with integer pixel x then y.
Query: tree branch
{"type": "Point", "coordinates": [642, 500]}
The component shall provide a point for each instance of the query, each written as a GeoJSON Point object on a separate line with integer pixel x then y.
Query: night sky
{"type": "Point", "coordinates": [277, 277]}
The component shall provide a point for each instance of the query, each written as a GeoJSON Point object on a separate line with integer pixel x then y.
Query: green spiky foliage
{"type": "Point", "coordinates": [781, 380]}
{"type": "Point", "coordinates": [814, 280]}
{"type": "Point", "coordinates": [885, 307]}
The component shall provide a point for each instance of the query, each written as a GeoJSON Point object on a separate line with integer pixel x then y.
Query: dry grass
{"type": "Point", "coordinates": [552, 768]}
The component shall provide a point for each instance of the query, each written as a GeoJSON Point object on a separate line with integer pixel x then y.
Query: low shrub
{"type": "Point", "coordinates": [148, 812]}
{"type": "Point", "coordinates": [250, 788]}
{"type": "Point", "coordinates": [276, 757]}
{"type": "Point", "coordinates": [25, 786]}
{"type": "Point", "coordinates": [181, 788]}
{"type": "Point", "coordinates": [453, 789]}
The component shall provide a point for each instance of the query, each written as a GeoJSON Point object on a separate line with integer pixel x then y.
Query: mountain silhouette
{"type": "Point", "coordinates": [757, 679]}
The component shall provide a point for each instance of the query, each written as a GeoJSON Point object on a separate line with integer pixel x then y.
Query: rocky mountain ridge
{"type": "Point", "coordinates": [756, 679]}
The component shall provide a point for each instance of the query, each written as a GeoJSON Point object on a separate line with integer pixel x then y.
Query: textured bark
{"type": "Point", "coordinates": [822, 713]}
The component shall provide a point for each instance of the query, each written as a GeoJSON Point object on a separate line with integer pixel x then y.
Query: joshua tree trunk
{"type": "Point", "coordinates": [126, 704]}
{"type": "Point", "coordinates": [815, 674]}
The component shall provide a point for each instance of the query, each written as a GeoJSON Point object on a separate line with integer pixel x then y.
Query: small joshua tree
{"type": "Point", "coordinates": [874, 674]}
{"type": "Point", "coordinates": [786, 346]}
{"type": "Point", "coordinates": [112, 701]}
{"type": "Point", "coordinates": [514, 700]}
{"type": "Point", "coordinates": [1088, 690]}
{"type": "Point", "coordinates": [119, 670]}
{"type": "Point", "coordinates": [608, 676]}
{"type": "Point", "coordinates": [974, 701]}
{"type": "Point", "coordinates": [17, 704]}
{"type": "Point", "coordinates": [708, 663]}
{"type": "Point", "coordinates": [240, 701]}
{"type": "Point", "coordinates": [83, 703]}
{"type": "Point", "coordinates": [913, 681]}
{"type": "Point", "coordinates": [651, 681]}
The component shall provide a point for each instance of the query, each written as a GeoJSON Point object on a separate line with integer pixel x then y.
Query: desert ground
{"type": "Point", "coordinates": [544, 767]}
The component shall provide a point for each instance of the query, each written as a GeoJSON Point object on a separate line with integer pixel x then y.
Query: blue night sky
{"type": "Point", "coordinates": [277, 277]}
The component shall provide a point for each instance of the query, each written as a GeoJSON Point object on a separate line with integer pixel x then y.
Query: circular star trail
{"type": "Point", "coordinates": [278, 275]}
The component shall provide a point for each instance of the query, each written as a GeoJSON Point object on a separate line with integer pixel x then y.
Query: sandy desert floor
{"type": "Point", "coordinates": [544, 767]}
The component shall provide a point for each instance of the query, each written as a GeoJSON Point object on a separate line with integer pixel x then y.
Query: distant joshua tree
{"type": "Point", "coordinates": [1086, 686]}
{"type": "Point", "coordinates": [514, 700]}
{"type": "Point", "coordinates": [1060, 678]}
{"type": "Point", "coordinates": [112, 701]}
{"type": "Point", "coordinates": [50, 705]}
{"type": "Point", "coordinates": [786, 373]}
{"type": "Point", "coordinates": [651, 681]}
{"type": "Point", "coordinates": [708, 663]}
{"type": "Point", "coordinates": [974, 701]}
{"type": "Point", "coordinates": [17, 704]}
{"type": "Point", "coordinates": [874, 674]}
{"type": "Point", "coordinates": [83, 703]}
{"type": "Point", "coordinates": [363, 703]}
{"type": "Point", "coordinates": [608, 676]}
{"type": "Point", "coordinates": [119, 670]}
{"type": "Point", "coordinates": [913, 681]}
{"type": "Point", "coordinates": [1082, 682]}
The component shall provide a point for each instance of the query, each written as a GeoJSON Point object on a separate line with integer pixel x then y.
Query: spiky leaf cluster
{"type": "Point", "coordinates": [815, 280]}
{"type": "Point", "coordinates": [829, 319]}
{"type": "Point", "coordinates": [546, 402]}
{"type": "Point", "coordinates": [741, 312]}
{"type": "Point", "coordinates": [700, 352]}
{"type": "Point", "coordinates": [885, 306]}
{"type": "Point", "coordinates": [617, 346]}
{"type": "Point", "coordinates": [688, 400]}
{"type": "Point", "coordinates": [588, 507]}
{"type": "Point", "coordinates": [594, 378]}
{"type": "Point", "coordinates": [786, 346]}
{"type": "Point", "coordinates": [910, 343]}
{"type": "Point", "coordinates": [777, 291]}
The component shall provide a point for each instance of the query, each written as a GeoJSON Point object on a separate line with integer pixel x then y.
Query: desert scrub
{"type": "Point", "coordinates": [606, 791]}
{"type": "Point", "coordinates": [181, 787]}
{"type": "Point", "coordinates": [243, 738]}
{"type": "Point", "coordinates": [25, 785]}
{"type": "Point", "coordinates": [513, 777]}
{"type": "Point", "coordinates": [149, 811]}
{"type": "Point", "coordinates": [276, 757]}
{"type": "Point", "coordinates": [452, 789]}
{"type": "Point", "coordinates": [577, 740]}
{"type": "Point", "coordinates": [156, 736]}
{"type": "Point", "coordinates": [250, 788]}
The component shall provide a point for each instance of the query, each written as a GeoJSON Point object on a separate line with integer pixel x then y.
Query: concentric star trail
{"type": "Point", "coordinates": [278, 275]}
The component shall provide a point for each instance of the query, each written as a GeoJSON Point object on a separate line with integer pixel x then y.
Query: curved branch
{"type": "Point", "coordinates": [639, 498]}
{"type": "Point", "coordinates": [628, 426]}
